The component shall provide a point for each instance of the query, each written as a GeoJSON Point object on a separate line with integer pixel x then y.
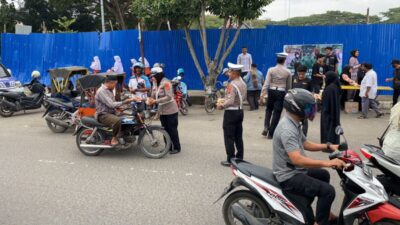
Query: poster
{"type": "Point", "coordinates": [305, 54]}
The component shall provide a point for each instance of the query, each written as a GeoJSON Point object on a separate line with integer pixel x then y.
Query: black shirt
{"type": "Point", "coordinates": [396, 79]}
{"type": "Point", "coordinates": [331, 61]}
{"type": "Point", "coordinates": [304, 84]}
{"type": "Point", "coordinates": [318, 69]}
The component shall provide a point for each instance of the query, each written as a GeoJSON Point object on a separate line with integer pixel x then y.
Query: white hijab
{"type": "Point", "coordinates": [146, 63]}
{"type": "Point", "coordinates": [96, 65]}
{"type": "Point", "coordinates": [118, 68]}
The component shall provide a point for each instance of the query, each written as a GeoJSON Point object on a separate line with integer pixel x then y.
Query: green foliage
{"type": "Point", "coordinates": [329, 18]}
{"type": "Point", "coordinates": [392, 16]}
{"type": "Point", "coordinates": [64, 24]}
{"type": "Point", "coordinates": [7, 15]}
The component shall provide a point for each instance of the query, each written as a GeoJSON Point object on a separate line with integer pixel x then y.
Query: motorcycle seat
{"type": "Point", "coordinates": [60, 102]}
{"type": "Point", "coordinates": [91, 122]}
{"type": "Point", "coordinates": [13, 94]}
{"type": "Point", "coordinates": [262, 173]}
{"type": "Point", "coordinates": [32, 97]}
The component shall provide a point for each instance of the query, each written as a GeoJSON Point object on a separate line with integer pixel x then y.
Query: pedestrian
{"type": "Point", "coordinates": [318, 73]}
{"type": "Point", "coordinates": [254, 81]}
{"type": "Point", "coordinates": [345, 79]}
{"type": "Point", "coordinates": [277, 82]}
{"type": "Point", "coordinates": [331, 61]}
{"type": "Point", "coordinates": [354, 64]}
{"type": "Point", "coordinates": [396, 80]}
{"type": "Point", "coordinates": [118, 67]}
{"type": "Point", "coordinates": [368, 91]}
{"type": "Point", "coordinates": [330, 112]}
{"type": "Point", "coordinates": [96, 65]}
{"type": "Point", "coordinates": [245, 60]}
{"type": "Point", "coordinates": [138, 86]}
{"type": "Point", "coordinates": [167, 108]}
{"type": "Point", "coordinates": [233, 115]}
{"type": "Point", "coordinates": [302, 82]}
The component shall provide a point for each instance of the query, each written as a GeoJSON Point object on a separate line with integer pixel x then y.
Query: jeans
{"type": "Point", "coordinates": [170, 124]}
{"type": "Point", "coordinates": [367, 103]}
{"type": "Point", "coordinates": [315, 183]}
{"type": "Point", "coordinates": [253, 97]}
{"type": "Point", "coordinates": [233, 133]}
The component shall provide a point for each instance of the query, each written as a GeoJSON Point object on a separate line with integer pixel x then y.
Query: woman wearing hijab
{"type": "Point", "coordinates": [96, 65]}
{"type": "Point", "coordinates": [163, 95]}
{"type": "Point", "coordinates": [117, 68]}
{"type": "Point", "coordinates": [345, 79]}
{"type": "Point", "coordinates": [330, 113]}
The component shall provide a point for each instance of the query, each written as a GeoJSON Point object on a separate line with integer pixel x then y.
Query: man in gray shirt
{"type": "Point", "coordinates": [295, 172]}
{"type": "Point", "coordinates": [106, 107]}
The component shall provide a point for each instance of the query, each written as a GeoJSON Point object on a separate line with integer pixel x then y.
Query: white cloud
{"type": "Point", "coordinates": [282, 9]}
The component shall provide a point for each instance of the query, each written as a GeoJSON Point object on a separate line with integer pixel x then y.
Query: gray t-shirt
{"type": "Point", "coordinates": [288, 137]}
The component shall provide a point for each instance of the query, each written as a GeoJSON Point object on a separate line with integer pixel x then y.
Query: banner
{"type": "Point", "coordinates": [305, 55]}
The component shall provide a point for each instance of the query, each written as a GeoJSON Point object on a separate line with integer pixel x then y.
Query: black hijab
{"type": "Point", "coordinates": [332, 78]}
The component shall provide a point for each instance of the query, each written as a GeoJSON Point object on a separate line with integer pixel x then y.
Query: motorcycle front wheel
{"type": "Point", "coordinates": [5, 111]}
{"type": "Point", "coordinates": [184, 107]}
{"type": "Point", "coordinates": [209, 104]}
{"type": "Point", "coordinates": [249, 202]}
{"type": "Point", "coordinates": [154, 142]}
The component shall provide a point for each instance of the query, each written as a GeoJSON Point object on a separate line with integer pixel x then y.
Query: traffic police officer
{"type": "Point", "coordinates": [233, 115]}
{"type": "Point", "coordinates": [277, 82]}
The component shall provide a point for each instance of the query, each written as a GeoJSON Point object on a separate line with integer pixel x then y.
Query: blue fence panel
{"type": "Point", "coordinates": [378, 44]}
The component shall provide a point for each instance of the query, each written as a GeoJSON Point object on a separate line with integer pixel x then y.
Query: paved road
{"type": "Point", "coordinates": [44, 179]}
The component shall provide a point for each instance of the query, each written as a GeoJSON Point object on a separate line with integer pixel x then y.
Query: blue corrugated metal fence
{"type": "Point", "coordinates": [378, 44]}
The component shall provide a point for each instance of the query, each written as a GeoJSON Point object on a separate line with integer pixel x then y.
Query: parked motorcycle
{"type": "Point", "coordinates": [179, 96]}
{"type": "Point", "coordinates": [212, 95]}
{"type": "Point", "coordinates": [93, 137]}
{"type": "Point", "coordinates": [264, 202]}
{"type": "Point", "coordinates": [60, 114]}
{"type": "Point", "coordinates": [16, 100]}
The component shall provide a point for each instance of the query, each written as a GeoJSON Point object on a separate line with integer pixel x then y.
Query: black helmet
{"type": "Point", "coordinates": [301, 103]}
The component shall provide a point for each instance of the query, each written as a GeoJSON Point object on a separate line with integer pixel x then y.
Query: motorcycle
{"type": "Point", "coordinates": [16, 100]}
{"type": "Point", "coordinates": [60, 114]}
{"type": "Point", "coordinates": [180, 98]}
{"type": "Point", "coordinates": [264, 202]}
{"type": "Point", "coordinates": [93, 137]}
{"type": "Point", "coordinates": [388, 166]}
{"type": "Point", "coordinates": [212, 95]}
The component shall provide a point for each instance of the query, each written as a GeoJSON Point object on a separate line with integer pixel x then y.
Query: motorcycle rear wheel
{"type": "Point", "coordinates": [5, 111]}
{"type": "Point", "coordinates": [256, 206]}
{"type": "Point", "coordinates": [209, 104]}
{"type": "Point", "coordinates": [54, 127]}
{"type": "Point", "coordinates": [156, 143]}
{"type": "Point", "coordinates": [81, 138]}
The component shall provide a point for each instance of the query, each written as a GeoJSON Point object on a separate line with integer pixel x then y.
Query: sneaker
{"type": "Point", "coordinates": [379, 115]}
{"type": "Point", "coordinates": [174, 151]}
{"type": "Point", "coordinates": [265, 132]}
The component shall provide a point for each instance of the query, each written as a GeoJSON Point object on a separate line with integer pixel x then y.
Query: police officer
{"type": "Point", "coordinates": [277, 82]}
{"type": "Point", "coordinates": [233, 116]}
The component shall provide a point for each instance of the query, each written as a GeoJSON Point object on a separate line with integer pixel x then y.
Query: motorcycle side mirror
{"type": "Point", "coordinates": [339, 130]}
{"type": "Point", "coordinates": [343, 146]}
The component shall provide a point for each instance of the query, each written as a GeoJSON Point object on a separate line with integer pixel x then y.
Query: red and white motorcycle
{"type": "Point", "coordinates": [261, 200]}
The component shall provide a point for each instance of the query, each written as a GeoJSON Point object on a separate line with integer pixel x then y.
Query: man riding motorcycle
{"type": "Point", "coordinates": [180, 75]}
{"type": "Point", "coordinates": [297, 173]}
{"type": "Point", "coordinates": [106, 107]}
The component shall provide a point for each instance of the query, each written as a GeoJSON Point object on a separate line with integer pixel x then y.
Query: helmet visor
{"type": "Point", "coordinates": [309, 111]}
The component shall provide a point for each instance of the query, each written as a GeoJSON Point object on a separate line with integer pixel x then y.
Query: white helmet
{"type": "Point", "coordinates": [35, 74]}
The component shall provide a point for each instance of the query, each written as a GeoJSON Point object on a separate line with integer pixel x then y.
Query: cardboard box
{"type": "Point", "coordinates": [351, 107]}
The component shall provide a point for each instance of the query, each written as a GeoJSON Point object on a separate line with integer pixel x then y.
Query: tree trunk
{"type": "Point", "coordinates": [194, 57]}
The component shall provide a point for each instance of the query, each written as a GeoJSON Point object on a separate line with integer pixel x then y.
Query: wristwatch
{"type": "Point", "coordinates": [328, 146]}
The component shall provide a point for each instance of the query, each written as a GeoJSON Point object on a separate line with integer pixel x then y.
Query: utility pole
{"type": "Point", "coordinates": [367, 15]}
{"type": "Point", "coordinates": [103, 27]}
{"type": "Point", "coordinates": [141, 41]}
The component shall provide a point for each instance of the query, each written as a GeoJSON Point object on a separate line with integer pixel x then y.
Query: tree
{"type": "Point", "coordinates": [392, 16]}
{"type": "Point", "coordinates": [121, 11]}
{"type": "Point", "coordinates": [7, 15]}
{"type": "Point", "coordinates": [185, 13]}
{"type": "Point", "coordinates": [329, 18]}
{"type": "Point", "coordinates": [64, 24]}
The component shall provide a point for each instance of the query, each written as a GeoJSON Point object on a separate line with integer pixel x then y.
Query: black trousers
{"type": "Point", "coordinates": [396, 93]}
{"type": "Point", "coordinates": [313, 184]}
{"type": "Point", "coordinates": [317, 86]}
{"type": "Point", "coordinates": [170, 124]}
{"type": "Point", "coordinates": [274, 110]}
{"type": "Point", "coordinates": [253, 97]}
{"type": "Point", "coordinates": [233, 133]}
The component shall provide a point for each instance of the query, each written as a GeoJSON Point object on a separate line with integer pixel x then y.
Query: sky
{"type": "Point", "coordinates": [282, 9]}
